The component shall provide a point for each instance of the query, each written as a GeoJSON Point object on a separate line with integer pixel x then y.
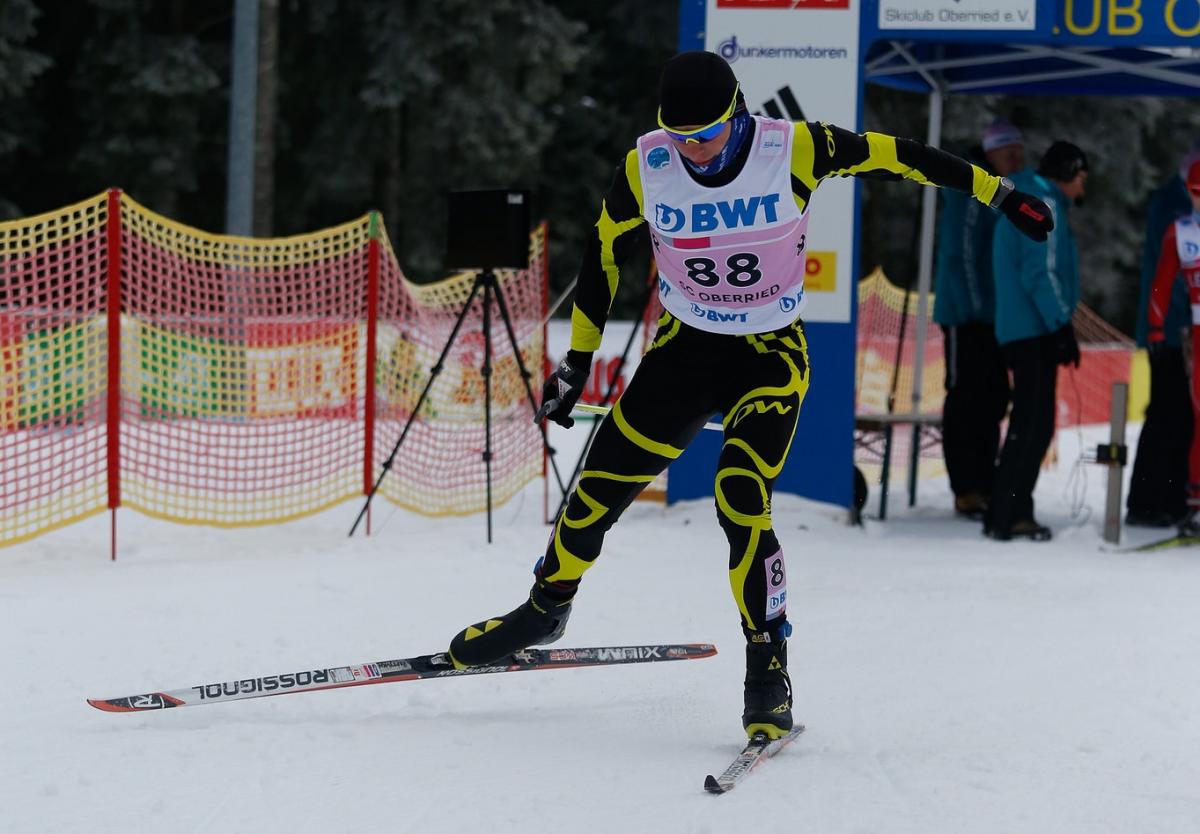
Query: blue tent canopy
{"type": "Point", "coordinates": [1074, 47]}
{"type": "Point", "coordinates": [1068, 47]}
{"type": "Point", "coordinates": [1033, 69]}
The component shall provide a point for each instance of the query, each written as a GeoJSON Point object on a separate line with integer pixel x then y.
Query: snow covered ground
{"type": "Point", "coordinates": [949, 683]}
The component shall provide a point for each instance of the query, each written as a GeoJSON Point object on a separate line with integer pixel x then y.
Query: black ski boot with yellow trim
{"type": "Point", "coordinates": [540, 620]}
{"type": "Point", "coordinates": [768, 687]}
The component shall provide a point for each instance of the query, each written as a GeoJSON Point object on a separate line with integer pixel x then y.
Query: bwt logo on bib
{"type": "Point", "coordinates": [728, 214]}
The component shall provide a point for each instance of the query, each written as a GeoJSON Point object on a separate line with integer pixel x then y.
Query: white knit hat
{"type": "Point", "coordinates": [1000, 134]}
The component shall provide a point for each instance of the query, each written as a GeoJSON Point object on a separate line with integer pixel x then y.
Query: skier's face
{"type": "Point", "coordinates": [702, 153]}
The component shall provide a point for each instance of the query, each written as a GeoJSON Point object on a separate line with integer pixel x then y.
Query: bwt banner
{"type": "Point", "coordinates": [798, 60]}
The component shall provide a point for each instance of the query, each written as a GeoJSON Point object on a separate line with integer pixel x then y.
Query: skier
{"type": "Point", "coordinates": [726, 198]}
{"type": "Point", "coordinates": [1181, 253]}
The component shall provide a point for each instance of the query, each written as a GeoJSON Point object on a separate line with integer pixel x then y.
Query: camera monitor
{"type": "Point", "coordinates": [488, 229]}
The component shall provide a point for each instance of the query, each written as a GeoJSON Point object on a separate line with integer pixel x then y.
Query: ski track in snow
{"type": "Point", "coordinates": [949, 683]}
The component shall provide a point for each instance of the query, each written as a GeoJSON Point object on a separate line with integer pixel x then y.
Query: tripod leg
{"type": "Point", "coordinates": [433, 375]}
{"type": "Point", "coordinates": [486, 371]}
{"type": "Point", "coordinates": [525, 376]}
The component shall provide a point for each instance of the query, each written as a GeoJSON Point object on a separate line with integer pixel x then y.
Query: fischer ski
{"type": "Point", "coordinates": [421, 667]}
{"type": "Point", "coordinates": [1163, 544]}
{"type": "Point", "coordinates": [760, 747]}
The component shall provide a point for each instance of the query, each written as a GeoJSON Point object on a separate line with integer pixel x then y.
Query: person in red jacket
{"type": "Point", "coordinates": [1181, 253]}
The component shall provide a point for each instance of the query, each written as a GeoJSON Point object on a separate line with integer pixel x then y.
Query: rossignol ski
{"type": "Point", "coordinates": [421, 667]}
{"type": "Point", "coordinates": [760, 747]}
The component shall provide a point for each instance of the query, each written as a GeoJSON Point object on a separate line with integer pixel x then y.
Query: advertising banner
{"type": "Point", "coordinates": [958, 14]}
{"type": "Point", "coordinates": [1132, 22]}
{"type": "Point", "coordinates": [299, 370]}
{"type": "Point", "coordinates": [12, 335]}
{"type": "Point", "coordinates": [56, 378]}
{"type": "Point", "coordinates": [799, 61]}
{"type": "Point", "coordinates": [186, 375]}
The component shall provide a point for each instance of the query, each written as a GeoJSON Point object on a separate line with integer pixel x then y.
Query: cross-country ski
{"type": "Point", "coordinates": [422, 667]}
{"type": "Point", "coordinates": [759, 748]}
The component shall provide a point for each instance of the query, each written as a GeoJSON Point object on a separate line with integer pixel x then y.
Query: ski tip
{"type": "Point", "coordinates": [107, 706]}
{"type": "Point", "coordinates": [138, 703]}
{"type": "Point", "coordinates": [712, 785]}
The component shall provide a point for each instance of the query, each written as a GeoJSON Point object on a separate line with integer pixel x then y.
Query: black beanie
{"type": "Point", "coordinates": [696, 89]}
{"type": "Point", "coordinates": [1062, 161]}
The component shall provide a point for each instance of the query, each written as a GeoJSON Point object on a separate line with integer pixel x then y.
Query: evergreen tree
{"type": "Point", "coordinates": [158, 128]}
{"type": "Point", "coordinates": [442, 96]}
{"type": "Point", "coordinates": [20, 65]}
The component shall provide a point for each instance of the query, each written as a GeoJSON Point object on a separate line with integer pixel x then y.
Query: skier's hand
{"type": "Point", "coordinates": [563, 387]}
{"type": "Point", "coordinates": [1066, 348]}
{"type": "Point", "coordinates": [1029, 214]}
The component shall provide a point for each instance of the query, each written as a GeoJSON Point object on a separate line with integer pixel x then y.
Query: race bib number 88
{"type": "Point", "coordinates": [741, 270]}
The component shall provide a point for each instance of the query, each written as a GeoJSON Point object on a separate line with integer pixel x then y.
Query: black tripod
{"type": "Point", "coordinates": [486, 280]}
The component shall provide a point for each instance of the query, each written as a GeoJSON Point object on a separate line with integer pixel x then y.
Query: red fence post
{"type": "Point", "coordinates": [372, 323]}
{"type": "Point", "coordinates": [113, 422]}
{"type": "Point", "coordinates": [540, 373]}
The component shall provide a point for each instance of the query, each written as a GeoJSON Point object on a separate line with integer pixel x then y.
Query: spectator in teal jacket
{"type": "Point", "coordinates": [1158, 485]}
{"type": "Point", "coordinates": [976, 377]}
{"type": "Point", "coordinates": [1037, 288]}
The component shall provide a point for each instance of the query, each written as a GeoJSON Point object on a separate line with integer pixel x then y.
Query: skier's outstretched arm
{"type": "Point", "coordinates": [822, 150]}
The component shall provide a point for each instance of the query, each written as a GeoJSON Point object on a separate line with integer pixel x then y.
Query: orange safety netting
{"type": "Point", "coordinates": [1083, 395]}
{"type": "Point", "coordinates": [882, 357]}
{"type": "Point", "coordinates": [440, 469]}
{"type": "Point", "coordinates": [241, 387]}
{"type": "Point", "coordinates": [53, 368]}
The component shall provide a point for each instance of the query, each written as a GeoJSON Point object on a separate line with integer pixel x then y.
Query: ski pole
{"type": "Point", "coordinates": [603, 410]}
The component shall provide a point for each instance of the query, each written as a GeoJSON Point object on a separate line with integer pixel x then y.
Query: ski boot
{"type": "Point", "coordinates": [1026, 528]}
{"type": "Point", "coordinates": [541, 619]}
{"type": "Point", "coordinates": [768, 687]}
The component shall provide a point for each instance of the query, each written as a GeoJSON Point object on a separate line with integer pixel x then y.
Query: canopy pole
{"type": "Point", "coordinates": [924, 281]}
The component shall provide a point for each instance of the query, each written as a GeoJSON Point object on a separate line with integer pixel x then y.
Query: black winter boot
{"type": "Point", "coordinates": [541, 619]}
{"type": "Point", "coordinates": [768, 687]}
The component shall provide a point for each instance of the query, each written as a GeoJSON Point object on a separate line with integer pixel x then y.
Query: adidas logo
{"type": "Point", "coordinates": [790, 109]}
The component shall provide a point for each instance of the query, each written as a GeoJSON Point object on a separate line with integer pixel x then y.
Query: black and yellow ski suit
{"type": "Point", "coordinates": [757, 382]}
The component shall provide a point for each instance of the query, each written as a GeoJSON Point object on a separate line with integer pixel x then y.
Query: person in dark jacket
{"type": "Point", "coordinates": [976, 377]}
{"type": "Point", "coordinates": [1180, 255]}
{"type": "Point", "coordinates": [1037, 289]}
{"type": "Point", "coordinates": [1158, 486]}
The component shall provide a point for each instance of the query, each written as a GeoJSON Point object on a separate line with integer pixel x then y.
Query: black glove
{"type": "Point", "coordinates": [1066, 349]}
{"type": "Point", "coordinates": [1029, 214]}
{"type": "Point", "coordinates": [563, 387]}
